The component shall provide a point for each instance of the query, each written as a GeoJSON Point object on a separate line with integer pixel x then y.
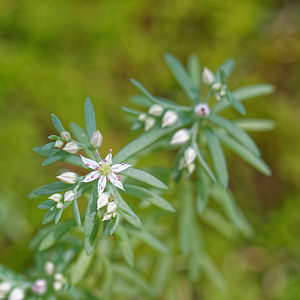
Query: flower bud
{"type": "Point", "coordinates": [69, 196]}
{"type": "Point", "coordinates": [65, 135]}
{"type": "Point", "coordinates": [57, 286]}
{"type": "Point", "coordinates": [150, 122]}
{"type": "Point", "coordinates": [68, 177]}
{"type": "Point", "coordinates": [107, 217]}
{"type": "Point", "coordinates": [191, 168]}
{"type": "Point", "coordinates": [40, 286]}
{"type": "Point", "coordinates": [71, 147]}
{"type": "Point", "coordinates": [96, 139]}
{"type": "Point", "coordinates": [49, 267]}
{"type": "Point", "coordinates": [189, 155]}
{"type": "Point", "coordinates": [16, 294]}
{"type": "Point", "coordinates": [55, 197]}
{"type": "Point", "coordinates": [142, 117]}
{"type": "Point", "coordinates": [217, 86]}
{"type": "Point", "coordinates": [208, 76]}
{"type": "Point", "coordinates": [102, 200]}
{"type": "Point", "coordinates": [222, 92]}
{"type": "Point", "coordinates": [111, 207]}
{"type": "Point", "coordinates": [218, 97]}
{"type": "Point", "coordinates": [202, 110]}
{"type": "Point", "coordinates": [59, 205]}
{"type": "Point", "coordinates": [169, 118]}
{"type": "Point", "coordinates": [5, 287]}
{"type": "Point", "coordinates": [59, 277]}
{"type": "Point", "coordinates": [58, 143]}
{"type": "Point", "coordinates": [180, 137]}
{"type": "Point", "coordinates": [156, 110]}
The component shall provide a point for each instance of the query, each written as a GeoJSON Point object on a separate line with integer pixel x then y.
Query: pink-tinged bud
{"type": "Point", "coordinates": [96, 139]}
{"type": "Point", "coordinates": [49, 267]}
{"type": "Point", "coordinates": [68, 177]}
{"type": "Point", "coordinates": [58, 143]}
{"type": "Point", "coordinates": [69, 196]}
{"type": "Point", "coordinates": [16, 294]}
{"type": "Point", "coordinates": [156, 110]}
{"type": "Point", "coordinates": [111, 207]}
{"type": "Point", "coordinates": [208, 76]}
{"type": "Point", "coordinates": [202, 110]}
{"type": "Point", "coordinates": [180, 137]}
{"type": "Point", "coordinates": [40, 286]}
{"type": "Point", "coordinates": [71, 147]}
{"type": "Point", "coordinates": [55, 197]}
{"type": "Point", "coordinates": [169, 119]}
{"type": "Point", "coordinates": [189, 155]}
{"type": "Point", "coordinates": [150, 122]}
{"type": "Point", "coordinates": [142, 117]}
{"type": "Point", "coordinates": [65, 135]}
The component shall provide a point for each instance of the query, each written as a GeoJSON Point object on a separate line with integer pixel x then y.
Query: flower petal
{"type": "Point", "coordinates": [102, 200]}
{"type": "Point", "coordinates": [89, 163]}
{"type": "Point", "coordinates": [116, 181]}
{"type": "Point", "coordinates": [107, 217]}
{"type": "Point", "coordinates": [101, 185]}
{"type": "Point", "coordinates": [91, 176]}
{"type": "Point", "coordinates": [120, 167]}
{"type": "Point", "coordinates": [108, 158]}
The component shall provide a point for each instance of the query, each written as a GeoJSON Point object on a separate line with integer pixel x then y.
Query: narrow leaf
{"type": "Point", "coordinates": [76, 212]}
{"type": "Point", "coordinates": [51, 188]}
{"type": "Point", "coordinates": [125, 245]}
{"type": "Point", "coordinates": [255, 125]}
{"type": "Point", "coordinates": [235, 103]}
{"type": "Point", "coordinates": [194, 71]}
{"type": "Point", "coordinates": [90, 118]}
{"type": "Point", "coordinates": [57, 124]}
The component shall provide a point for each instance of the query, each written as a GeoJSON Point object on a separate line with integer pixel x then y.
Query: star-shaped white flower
{"type": "Point", "coordinates": [104, 171]}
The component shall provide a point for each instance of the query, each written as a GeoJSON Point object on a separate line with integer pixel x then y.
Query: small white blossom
{"type": "Point", "coordinates": [180, 137]}
{"type": "Point", "coordinates": [150, 122]}
{"type": "Point", "coordinates": [55, 197]}
{"type": "Point", "coordinates": [104, 171]}
{"type": "Point", "coordinates": [217, 86]}
{"type": "Point", "coordinates": [57, 286]}
{"type": "Point", "coordinates": [59, 205]}
{"type": "Point", "coordinates": [156, 110]}
{"type": "Point", "coordinates": [202, 110]}
{"type": "Point", "coordinates": [59, 277]}
{"type": "Point", "coordinates": [71, 147]}
{"type": "Point", "coordinates": [40, 286]}
{"type": "Point", "coordinates": [65, 135]}
{"type": "Point", "coordinates": [208, 76]}
{"type": "Point", "coordinates": [96, 139]}
{"type": "Point", "coordinates": [191, 168]}
{"type": "Point", "coordinates": [142, 117]}
{"type": "Point", "coordinates": [189, 155]}
{"type": "Point", "coordinates": [68, 177]}
{"type": "Point", "coordinates": [102, 200]}
{"type": "Point", "coordinates": [58, 143]}
{"type": "Point", "coordinates": [16, 294]}
{"type": "Point", "coordinates": [169, 118]}
{"type": "Point", "coordinates": [69, 196]}
{"type": "Point", "coordinates": [222, 92]}
{"type": "Point", "coordinates": [49, 267]}
{"type": "Point", "coordinates": [111, 207]}
{"type": "Point", "coordinates": [5, 287]}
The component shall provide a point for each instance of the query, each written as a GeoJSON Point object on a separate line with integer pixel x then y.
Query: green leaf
{"type": "Point", "coordinates": [162, 274]}
{"type": "Point", "coordinates": [194, 71]}
{"type": "Point", "coordinates": [90, 118]}
{"type": "Point", "coordinates": [91, 222]}
{"type": "Point", "coordinates": [73, 160]}
{"type": "Point", "coordinates": [79, 133]}
{"type": "Point", "coordinates": [141, 100]}
{"type": "Point", "coordinates": [57, 124]}
{"type": "Point", "coordinates": [235, 103]}
{"type": "Point", "coordinates": [182, 77]}
{"type": "Point", "coordinates": [202, 191]}
{"type": "Point", "coordinates": [255, 125]}
{"type": "Point", "coordinates": [131, 111]}
{"type": "Point", "coordinates": [51, 188]}
{"type": "Point", "coordinates": [245, 154]}
{"type": "Point", "coordinates": [47, 204]}
{"type": "Point", "coordinates": [58, 215]}
{"type": "Point", "coordinates": [78, 269]}
{"type": "Point", "coordinates": [45, 150]}
{"type": "Point", "coordinates": [242, 137]}
{"type": "Point", "coordinates": [218, 158]}
{"type": "Point", "coordinates": [76, 212]}
{"type": "Point", "coordinates": [54, 156]}
{"type": "Point", "coordinates": [11, 276]}
{"type": "Point", "coordinates": [145, 140]}
{"type": "Point", "coordinates": [150, 196]}
{"type": "Point", "coordinates": [144, 177]}
{"type": "Point", "coordinates": [125, 245]}
{"type": "Point", "coordinates": [227, 67]}
{"type": "Point", "coordinates": [49, 216]}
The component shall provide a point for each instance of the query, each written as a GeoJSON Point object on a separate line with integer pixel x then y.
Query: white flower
{"type": "Point", "coordinates": [65, 135]}
{"type": "Point", "coordinates": [71, 147]}
{"type": "Point", "coordinates": [102, 200]}
{"type": "Point", "coordinates": [191, 168]}
{"type": "Point", "coordinates": [189, 155]}
{"type": "Point", "coordinates": [217, 86]}
{"type": "Point", "coordinates": [59, 205]}
{"type": "Point", "coordinates": [150, 122]}
{"type": "Point", "coordinates": [16, 294]}
{"type": "Point", "coordinates": [156, 110]}
{"type": "Point", "coordinates": [40, 286]}
{"type": "Point", "coordinates": [104, 171]}
{"type": "Point", "coordinates": [5, 287]}
{"type": "Point", "coordinates": [57, 285]}
{"type": "Point", "coordinates": [59, 277]}
{"type": "Point", "coordinates": [142, 117]}
{"type": "Point", "coordinates": [222, 92]}
{"type": "Point", "coordinates": [55, 197]}
{"type": "Point", "coordinates": [96, 139]}
{"type": "Point", "coordinates": [69, 196]}
{"type": "Point", "coordinates": [208, 76]}
{"type": "Point", "coordinates": [49, 267]}
{"type": "Point", "coordinates": [68, 177]}
{"type": "Point", "coordinates": [202, 110]}
{"type": "Point", "coordinates": [169, 118]}
{"type": "Point", "coordinates": [111, 207]}
{"type": "Point", "coordinates": [180, 137]}
{"type": "Point", "coordinates": [58, 143]}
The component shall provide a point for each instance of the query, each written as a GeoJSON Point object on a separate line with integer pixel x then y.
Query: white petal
{"type": "Point", "coordinates": [111, 207]}
{"type": "Point", "coordinates": [101, 185]}
{"type": "Point", "coordinates": [91, 176]}
{"type": "Point", "coordinates": [102, 200]}
{"type": "Point", "coordinates": [115, 181]}
{"type": "Point", "coordinates": [107, 217]}
{"type": "Point", "coordinates": [120, 167]}
{"type": "Point", "coordinates": [108, 158]}
{"type": "Point", "coordinates": [89, 163]}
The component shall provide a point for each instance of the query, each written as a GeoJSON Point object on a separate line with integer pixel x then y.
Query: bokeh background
{"type": "Point", "coordinates": [53, 54]}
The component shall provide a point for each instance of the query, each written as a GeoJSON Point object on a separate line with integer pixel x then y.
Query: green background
{"type": "Point", "coordinates": [53, 54]}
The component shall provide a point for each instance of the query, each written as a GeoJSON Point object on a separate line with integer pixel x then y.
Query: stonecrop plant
{"type": "Point", "coordinates": [99, 187]}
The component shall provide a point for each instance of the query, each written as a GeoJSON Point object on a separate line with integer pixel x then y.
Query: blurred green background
{"type": "Point", "coordinates": [53, 54]}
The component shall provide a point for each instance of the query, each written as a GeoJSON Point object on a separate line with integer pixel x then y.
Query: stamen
{"type": "Point", "coordinates": [108, 179]}
{"type": "Point", "coordinates": [97, 168]}
{"type": "Point", "coordinates": [122, 163]}
{"type": "Point", "coordinates": [98, 154]}
{"type": "Point", "coordinates": [110, 150]}
{"type": "Point", "coordinates": [87, 165]}
{"type": "Point", "coordinates": [92, 176]}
